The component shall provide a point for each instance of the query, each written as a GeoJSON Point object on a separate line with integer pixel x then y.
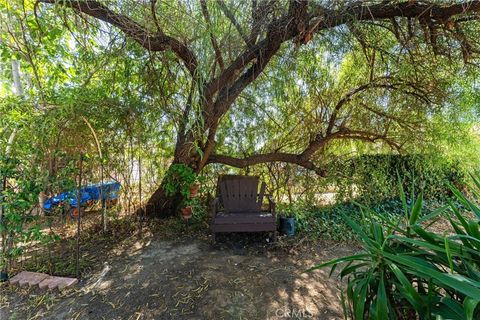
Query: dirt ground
{"type": "Point", "coordinates": [242, 276]}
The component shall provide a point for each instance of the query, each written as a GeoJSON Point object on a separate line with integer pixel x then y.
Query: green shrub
{"type": "Point", "coordinates": [374, 177]}
{"type": "Point", "coordinates": [18, 223]}
{"type": "Point", "coordinates": [315, 222]}
{"type": "Point", "coordinates": [406, 272]}
{"type": "Point", "coordinates": [328, 222]}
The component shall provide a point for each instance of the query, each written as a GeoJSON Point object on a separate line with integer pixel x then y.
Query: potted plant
{"type": "Point", "coordinates": [187, 212]}
{"type": "Point", "coordinates": [183, 180]}
{"type": "Point", "coordinates": [192, 206]}
{"type": "Point", "coordinates": [195, 187]}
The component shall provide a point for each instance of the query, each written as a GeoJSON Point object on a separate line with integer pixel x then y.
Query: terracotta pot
{"type": "Point", "coordinates": [194, 190]}
{"type": "Point", "coordinates": [186, 212]}
{"type": "Point", "coordinates": [74, 213]}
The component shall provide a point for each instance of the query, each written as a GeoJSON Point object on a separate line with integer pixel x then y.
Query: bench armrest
{"type": "Point", "coordinates": [271, 204]}
{"type": "Point", "coordinates": [214, 207]}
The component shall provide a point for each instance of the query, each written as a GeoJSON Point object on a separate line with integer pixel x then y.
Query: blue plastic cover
{"type": "Point", "coordinates": [87, 193]}
{"type": "Point", "coordinates": [84, 197]}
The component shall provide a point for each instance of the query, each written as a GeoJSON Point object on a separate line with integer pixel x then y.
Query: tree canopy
{"type": "Point", "coordinates": [238, 83]}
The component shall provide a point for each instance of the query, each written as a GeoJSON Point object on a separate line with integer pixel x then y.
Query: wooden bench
{"type": "Point", "coordinates": [238, 206]}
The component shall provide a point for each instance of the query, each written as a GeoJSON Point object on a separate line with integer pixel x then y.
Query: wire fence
{"type": "Point", "coordinates": [72, 243]}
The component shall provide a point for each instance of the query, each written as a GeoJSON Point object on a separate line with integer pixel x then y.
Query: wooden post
{"type": "Point", "coordinates": [102, 199]}
{"type": "Point", "coordinates": [140, 180]}
{"type": "Point", "coordinates": [79, 210]}
{"type": "Point", "coordinates": [140, 212]}
{"type": "Point", "coordinates": [99, 149]}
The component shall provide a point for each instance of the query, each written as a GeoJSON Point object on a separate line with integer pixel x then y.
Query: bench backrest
{"type": "Point", "coordinates": [240, 193]}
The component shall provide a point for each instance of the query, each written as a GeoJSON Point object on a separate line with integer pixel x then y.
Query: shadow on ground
{"type": "Point", "coordinates": [242, 276]}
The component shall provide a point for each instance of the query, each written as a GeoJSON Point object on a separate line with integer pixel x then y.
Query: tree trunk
{"type": "Point", "coordinates": [161, 205]}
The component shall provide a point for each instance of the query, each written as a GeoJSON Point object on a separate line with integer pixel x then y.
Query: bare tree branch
{"type": "Point", "coordinates": [213, 40]}
{"type": "Point", "coordinates": [368, 136]}
{"type": "Point", "coordinates": [233, 20]}
{"type": "Point", "coordinates": [301, 159]}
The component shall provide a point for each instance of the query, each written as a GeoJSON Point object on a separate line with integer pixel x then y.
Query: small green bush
{"type": "Point", "coordinates": [314, 222]}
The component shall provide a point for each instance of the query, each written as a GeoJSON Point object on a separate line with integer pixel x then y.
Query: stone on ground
{"type": "Point", "coordinates": [44, 281]}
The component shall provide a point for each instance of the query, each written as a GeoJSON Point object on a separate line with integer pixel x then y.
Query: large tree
{"type": "Point", "coordinates": [245, 37]}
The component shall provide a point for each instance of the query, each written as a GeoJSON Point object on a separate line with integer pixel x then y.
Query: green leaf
{"type": "Point", "coordinates": [378, 233]}
{"type": "Point", "coordinates": [459, 216]}
{"type": "Point", "coordinates": [467, 203]}
{"type": "Point", "coordinates": [410, 293]}
{"type": "Point", "coordinates": [382, 300]}
{"type": "Point", "coordinates": [339, 260]}
{"type": "Point", "coordinates": [433, 214]}
{"type": "Point", "coordinates": [447, 308]}
{"type": "Point", "coordinates": [449, 255]}
{"type": "Point", "coordinates": [428, 236]}
{"type": "Point", "coordinates": [468, 287]}
{"type": "Point", "coordinates": [352, 268]}
{"type": "Point", "coordinates": [359, 231]}
{"type": "Point", "coordinates": [473, 229]}
{"type": "Point", "coordinates": [360, 293]}
{"type": "Point", "coordinates": [469, 305]}
{"type": "Point", "coordinates": [417, 208]}
{"type": "Point", "coordinates": [402, 194]}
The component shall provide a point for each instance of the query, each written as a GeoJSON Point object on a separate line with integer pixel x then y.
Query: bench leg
{"type": "Point", "coordinates": [213, 237]}
{"type": "Point", "coordinates": [274, 236]}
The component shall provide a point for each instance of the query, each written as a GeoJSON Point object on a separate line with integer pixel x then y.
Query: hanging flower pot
{"type": "Point", "coordinates": [194, 190]}
{"type": "Point", "coordinates": [74, 213]}
{"type": "Point", "coordinates": [186, 212]}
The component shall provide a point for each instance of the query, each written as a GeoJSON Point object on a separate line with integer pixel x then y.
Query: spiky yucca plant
{"type": "Point", "coordinates": [407, 272]}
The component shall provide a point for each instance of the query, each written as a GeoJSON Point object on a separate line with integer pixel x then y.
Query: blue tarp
{"type": "Point", "coordinates": [87, 193]}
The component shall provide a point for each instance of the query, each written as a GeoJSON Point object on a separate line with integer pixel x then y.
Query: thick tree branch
{"type": "Point", "coordinates": [157, 41]}
{"type": "Point", "coordinates": [265, 158]}
{"type": "Point", "coordinates": [368, 136]}
{"type": "Point", "coordinates": [322, 18]}
{"type": "Point", "coordinates": [279, 31]}
{"type": "Point", "coordinates": [388, 10]}
{"type": "Point", "coordinates": [296, 24]}
{"type": "Point", "coordinates": [292, 25]}
{"type": "Point", "coordinates": [260, 13]}
{"type": "Point", "coordinates": [259, 55]}
{"type": "Point", "coordinates": [302, 159]}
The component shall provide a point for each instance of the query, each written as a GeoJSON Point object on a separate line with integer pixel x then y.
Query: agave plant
{"type": "Point", "coordinates": [407, 272]}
